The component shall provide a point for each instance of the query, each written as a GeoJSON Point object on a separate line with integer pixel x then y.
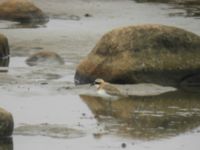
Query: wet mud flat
{"type": "Point", "coordinates": [51, 113]}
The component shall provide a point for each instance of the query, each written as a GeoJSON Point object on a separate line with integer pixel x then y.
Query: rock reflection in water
{"type": "Point", "coordinates": [27, 25]}
{"type": "Point", "coordinates": [17, 25]}
{"type": "Point", "coordinates": [149, 117]}
{"type": "Point", "coordinates": [6, 144]}
{"type": "Point", "coordinates": [49, 130]}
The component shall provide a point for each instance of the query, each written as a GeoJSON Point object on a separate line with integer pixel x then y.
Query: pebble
{"type": "Point", "coordinates": [88, 15]}
{"type": "Point", "coordinates": [123, 145]}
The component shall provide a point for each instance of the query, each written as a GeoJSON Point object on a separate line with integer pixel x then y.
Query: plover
{"type": "Point", "coordinates": [106, 90]}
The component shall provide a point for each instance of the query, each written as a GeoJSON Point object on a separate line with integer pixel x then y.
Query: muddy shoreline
{"type": "Point", "coordinates": [46, 106]}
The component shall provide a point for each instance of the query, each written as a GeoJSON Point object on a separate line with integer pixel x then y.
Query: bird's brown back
{"type": "Point", "coordinates": [110, 89]}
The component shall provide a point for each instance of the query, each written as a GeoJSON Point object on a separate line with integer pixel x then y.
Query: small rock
{"type": "Point", "coordinates": [97, 135]}
{"type": "Point", "coordinates": [88, 15]}
{"type": "Point", "coordinates": [4, 52]}
{"type": "Point", "coordinates": [44, 83]}
{"type": "Point", "coordinates": [6, 123]}
{"type": "Point", "coordinates": [67, 88]}
{"type": "Point", "coordinates": [44, 58]}
{"type": "Point", "coordinates": [74, 17]}
{"type": "Point", "coordinates": [123, 145]}
{"type": "Point", "coordinates": [22, 11]}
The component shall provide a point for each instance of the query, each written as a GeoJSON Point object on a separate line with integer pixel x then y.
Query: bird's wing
{"type": "Point", "coordinates": [110, 89]}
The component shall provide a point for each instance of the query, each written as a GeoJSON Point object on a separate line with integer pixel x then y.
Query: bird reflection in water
{"type": "Point", "coordinates": [147, 117]}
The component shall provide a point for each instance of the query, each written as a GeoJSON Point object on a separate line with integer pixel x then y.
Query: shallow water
{"type": "Point", "coordinates": [51, 113]}
{"type": "Point", "coordinates": [65, 120]}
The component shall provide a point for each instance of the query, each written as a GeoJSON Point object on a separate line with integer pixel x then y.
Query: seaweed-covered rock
{"type": "Point", "coordinates": [6, 123]}
{"type": "Point", "coordinates": [149, 53]}
{"type": "Point", "coordinates": [44, 58]}
{"type": "Point", "coordinates": [4, 51]}
{"type": "Point", "coordinates": [21, 11]}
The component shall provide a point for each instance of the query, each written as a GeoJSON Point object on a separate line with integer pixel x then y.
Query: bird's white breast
{"type": "Point", "coordinates": [103, 93]}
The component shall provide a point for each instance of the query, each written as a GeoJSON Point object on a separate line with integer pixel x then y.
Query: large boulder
{"type": "Point", "coordinates": [6, 123]}
{"type": "Point", "coordinates": [4, 52]}
{"type": "Point", "coordinates": [21, 11]}
{"type": "Point", "coordinates": [158, 54]}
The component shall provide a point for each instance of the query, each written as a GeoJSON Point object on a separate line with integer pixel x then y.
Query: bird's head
{"type": "Point", "coordinates": [98, 82]}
